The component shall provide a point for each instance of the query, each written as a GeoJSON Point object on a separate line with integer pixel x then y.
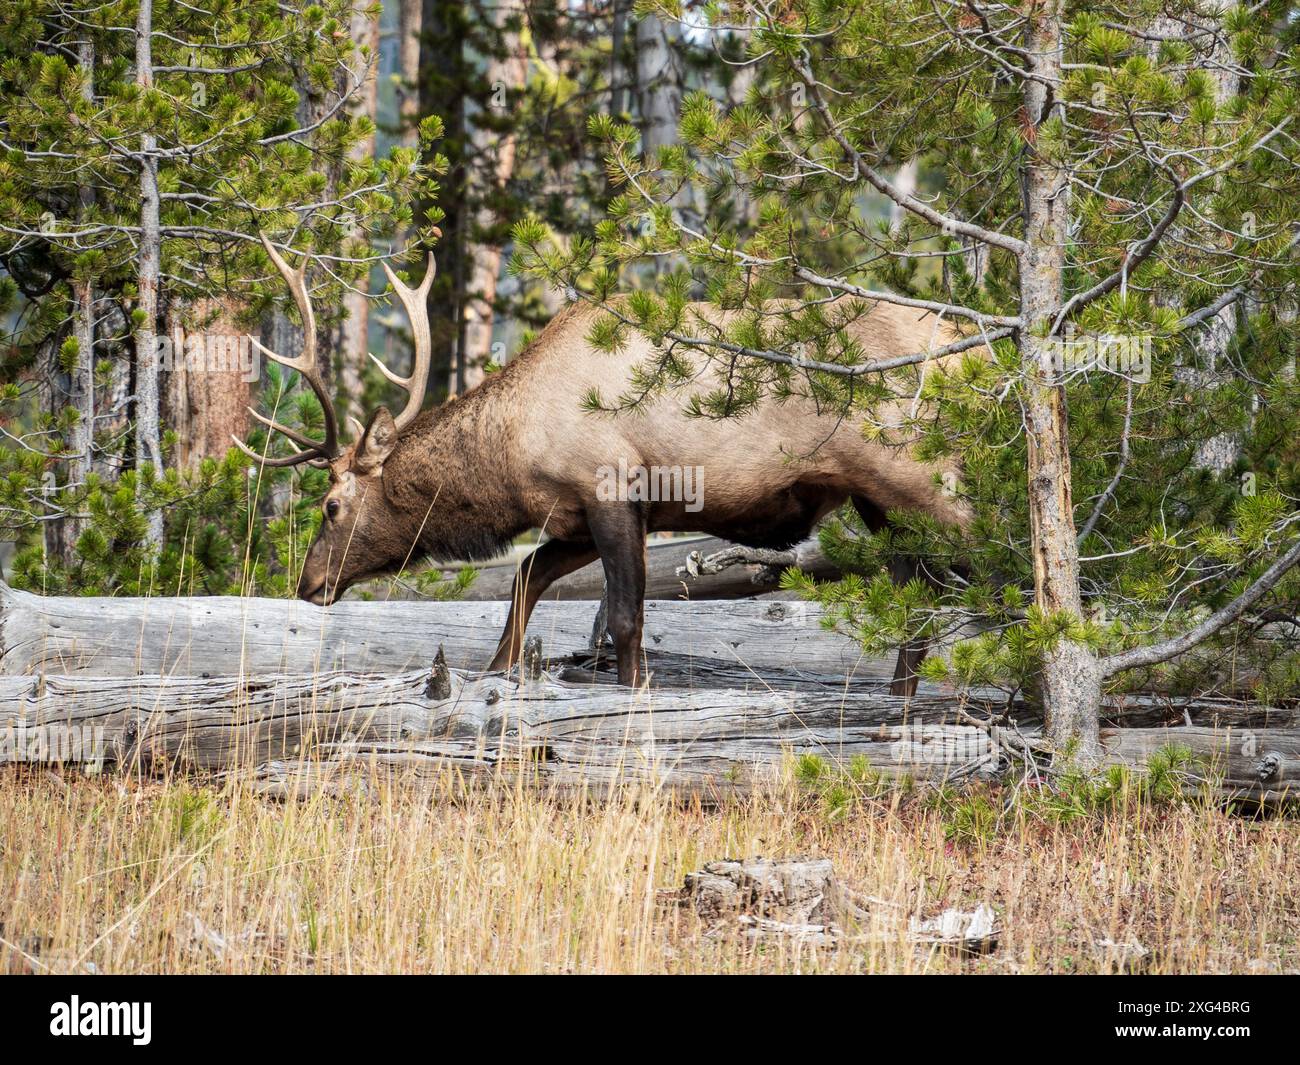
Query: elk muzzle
{"type": "Point", "coordinates": [316, 584]}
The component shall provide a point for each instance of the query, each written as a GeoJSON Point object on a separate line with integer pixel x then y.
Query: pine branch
{"type": "Point", "coordinates": [1152, 654]}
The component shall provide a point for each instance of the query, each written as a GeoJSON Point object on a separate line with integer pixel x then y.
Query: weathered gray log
{"type": "Point", "coordinates": [230, 635]}
{"type": "Point", "coordinates": [1131, 710]}
{"type": "Point", "coordinates": [485, 719]}
{"type": "Point", "coordinates": [703, 740]}
{"type": "Point", "coordinates": [663, 560]}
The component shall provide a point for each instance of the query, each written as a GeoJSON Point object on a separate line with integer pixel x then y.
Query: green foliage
{"type": "Point", "coordinates": [976, 816]}
{"type": "Point", "coordinates": [246, 140]}
{"type": "Point", "coordinates": [836, 788]}
{"type": "Point", "coordinates": [971, 817]}
{"type": "Point", "coordinates": [1172, 776]}
{"type": "Point", "coordinates": [843, 95]}
{"type": "Point", "coordinates": [217, 542]}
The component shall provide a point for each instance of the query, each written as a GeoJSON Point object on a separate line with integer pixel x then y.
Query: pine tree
{"type": "Point", "coordinates": [145, 146]}
{"type": "Point", "coordinates": [1094, 201]}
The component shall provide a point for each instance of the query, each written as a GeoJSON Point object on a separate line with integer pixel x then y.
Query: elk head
{"type": "Point", "coordinates": [358, 536]}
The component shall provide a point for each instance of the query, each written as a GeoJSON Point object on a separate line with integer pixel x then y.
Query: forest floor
{"type": "Point", "coordinates": [408, 874]}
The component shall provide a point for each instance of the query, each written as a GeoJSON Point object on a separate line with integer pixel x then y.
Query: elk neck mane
{"type": "Point", "coordinates": [453, 478]}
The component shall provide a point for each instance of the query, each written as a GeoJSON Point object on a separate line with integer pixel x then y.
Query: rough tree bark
{"type": "Point", "coordinates": [148, 431]}
{"type": "Point", "coordinates": [356, 323]}
{"type": "Point", "coordinates": [493, 153]}
{"type": "Point", "coordinates": [299, 726]}
{"type": "Point", "coordinates": [1071, 676]}
{"type": "Point", "coordinates": [207, 393]}
{"type": "Point", "coordinates": [227, 634]}
{"type": "Point", "coordinates": [82, 396]}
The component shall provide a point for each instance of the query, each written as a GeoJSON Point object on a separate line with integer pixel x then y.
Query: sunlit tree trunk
{"type": "Point", "coordinates": [148, 435]}
{"type": "Point", "coordinates": [208, 391]}
{"type": "Point", "coordinates": [1071, 675]}
{"type": "Point", "coordinates": [355, 326]}
{"type": "Point", "coordinates": [493, 153]}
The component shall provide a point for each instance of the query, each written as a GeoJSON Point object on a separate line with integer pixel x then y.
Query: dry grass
{"type": "Point", "coordinates": [418, 875]}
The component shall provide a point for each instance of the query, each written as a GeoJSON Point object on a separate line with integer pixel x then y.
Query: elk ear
{"type": "Point", "coordinates": [377, 442]}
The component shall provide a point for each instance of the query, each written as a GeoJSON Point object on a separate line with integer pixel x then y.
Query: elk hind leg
{"type": "Point", "coordinates": [619, 531]}
{"type": "Point", "coordinates": [901, 570]}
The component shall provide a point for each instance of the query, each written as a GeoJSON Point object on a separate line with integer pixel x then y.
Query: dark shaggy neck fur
{"type": "Point", "coordinates": [452, 465]}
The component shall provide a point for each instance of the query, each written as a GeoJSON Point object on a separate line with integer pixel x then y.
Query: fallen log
{"type": "Point", "coordinates": [667, 573]}
{"type": "Point", "coordinates": [211, 636]}
{"type": "Point", "coordinates": [1120, 709]}
{"type": "Point", "coordinates": [702, 741]}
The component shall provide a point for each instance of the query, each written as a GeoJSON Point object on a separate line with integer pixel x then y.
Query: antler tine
{"type": "Point", "coordinates": [301, 439]}
{"type": "Point", "coordinates": [417, 311]}
{"type": "Point", "coordinates": [311, 458]}
{"type": "Point", "coordinates": [306, 362]}
{"type": "Point", "coordinates": [317, 452]}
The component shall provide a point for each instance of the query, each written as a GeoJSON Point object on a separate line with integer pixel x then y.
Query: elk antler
{"type": "Point", "coordinates": [417, 310]}
{"type": "Point", "coordinates": [316, 452]}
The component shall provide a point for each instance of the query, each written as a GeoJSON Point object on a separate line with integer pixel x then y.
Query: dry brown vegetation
{"type": "Point", "coordinates": [421, 875]}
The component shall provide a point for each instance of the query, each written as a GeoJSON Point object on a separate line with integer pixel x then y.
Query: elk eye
{"type": "Point", "coordinates": [332, 509]}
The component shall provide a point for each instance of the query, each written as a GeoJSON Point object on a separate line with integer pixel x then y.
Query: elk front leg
{"type": "Point", "coordinates": [618, 530]}
{"type": "Point", "coordinates": [551, 561]}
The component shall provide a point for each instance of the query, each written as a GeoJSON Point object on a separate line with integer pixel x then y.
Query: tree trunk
{"type": "Point", "coordinates": [1071, 675]}
{"type": "Point", "coordinates": [1210, 342]}
{"type": "Point", "coordinates": [409, 21]}
{"type": "Point", "coordinates": [442, 75]}
{"type": "Point", "coordinates": [721, 571]}
{"type": "Point", "coordinates": [297, 727]}
{"type": "Point", "coordinates": [83, 401]}
{"type": "Point", "coordinates": [123, 636]}
{"type": "Point", "coordinates": [113, 399]}
{"type": "Point", "coordinates": [314, 104]}
{"type": "Point", "coordinates": [618, 74]}
{"type": "Point", "coordinates": [659, 82]}
{"type": "Point", "coordinates": [148, 430]}
{"type": "Point", "coordinates": [82, 384]}
{"type": "Point", "coordinates": [906, 182]}
{"type": "Point", "coordinates": [208, 388]}
{"type": "Point", "coordinates": [493, 157]}
{"type": "Point", "coordinates": [775, 645]}
{"type": "Point", "coordinates": [356, 324]}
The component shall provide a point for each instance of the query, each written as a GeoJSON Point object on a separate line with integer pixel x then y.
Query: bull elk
{"type": "Point", "coordinates": [519, 452]}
